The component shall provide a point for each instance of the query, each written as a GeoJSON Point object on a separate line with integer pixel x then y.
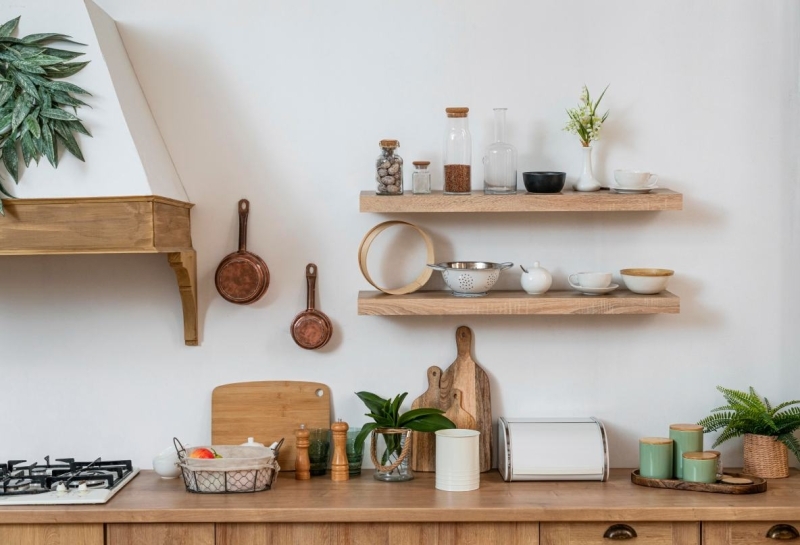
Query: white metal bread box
{"type": "Point", "coordinates": [552, 449]}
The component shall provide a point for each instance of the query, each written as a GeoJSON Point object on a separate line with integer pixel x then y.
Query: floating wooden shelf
{"type": "Point", "coordinates": [108, 225]}
{"type": "Point", "coordinates": [566, 201]}
{"type": "Point", "coordinates": [442, 303]}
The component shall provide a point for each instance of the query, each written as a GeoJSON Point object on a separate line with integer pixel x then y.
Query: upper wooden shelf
{"type": "Point", "coordinates": [443, 303]}
{"type": "Point", "coordinates": [108, 225]}
{"type": "Point", "coordinates": [566, 201]}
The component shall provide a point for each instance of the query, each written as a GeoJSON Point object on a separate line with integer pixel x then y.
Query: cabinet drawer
{"type": "Point", "coordinates": [749, 533]}
{"type": "Point", "coordinates": [605, 533]}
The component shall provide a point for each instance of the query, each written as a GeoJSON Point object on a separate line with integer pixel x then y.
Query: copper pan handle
{"type": "Point", "coordinates": [244, 212]}
{"type": "Point", "coordinates": [311, 277]}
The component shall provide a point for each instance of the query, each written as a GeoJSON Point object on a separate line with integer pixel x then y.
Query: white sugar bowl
{"type": "Point", "coordinates": [536, 280]}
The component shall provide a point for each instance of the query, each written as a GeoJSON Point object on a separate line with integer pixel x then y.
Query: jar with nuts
{"type": "Point", "coordinates": [389, 169]}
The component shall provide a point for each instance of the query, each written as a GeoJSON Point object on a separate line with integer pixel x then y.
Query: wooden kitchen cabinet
{"type": "Point", "coordinates": [159, 534]}
{"type": "Point", "coordinates": [51, 534]}
{"type": "Point", "coordinates": [750, 533]}
{"type": "Point", "coordinates": [395, 533]}
{"type": "Point", "coordinates": [602, 533]}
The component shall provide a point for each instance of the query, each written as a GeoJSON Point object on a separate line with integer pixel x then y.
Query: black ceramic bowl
{"type": "Point", "coordinates": [544, 182]}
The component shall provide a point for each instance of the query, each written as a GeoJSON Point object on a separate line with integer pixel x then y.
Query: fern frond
{"type": "Point", "coordinates": [784, 405]}
{"type": "Point", "coordinates": [750, 400]}
{"type": "Point", "coordinates": [729, 433]}
{"type": "Point", "coordinates": [791, 443]}
{"type": "Point", "coordinates": [716, 421]}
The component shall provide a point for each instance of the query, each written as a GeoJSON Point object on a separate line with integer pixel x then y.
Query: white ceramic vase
{"type": "Point", "coordinates": [587, 181]}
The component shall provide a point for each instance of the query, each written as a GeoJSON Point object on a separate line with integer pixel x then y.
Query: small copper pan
{"type": "Point", "coordinates": [311, 329]}
{"type": "Point", "coordinates": [242, 277]}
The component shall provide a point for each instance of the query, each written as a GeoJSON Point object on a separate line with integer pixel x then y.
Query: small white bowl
{"type": "Point", "coordinates": [166, 464]}
{"type": "Point", "coordinates": [646, 281]}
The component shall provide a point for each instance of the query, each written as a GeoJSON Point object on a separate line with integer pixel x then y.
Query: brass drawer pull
{"type": "Point", "coordinates": [783, 531]}
{"type": "Point", "coordinates": [620, 531]}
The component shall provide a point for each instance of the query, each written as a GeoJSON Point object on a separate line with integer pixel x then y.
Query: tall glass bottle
{"type": "Point", "coordinates": [457, 153]}
{"type": "Point", "coordinates": [500, 162]}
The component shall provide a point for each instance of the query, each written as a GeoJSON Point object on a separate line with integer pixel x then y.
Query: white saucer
{"type": "Point", "coordinates": [632, 191]}
{"type": "Point", "coordinates": [595, 291]}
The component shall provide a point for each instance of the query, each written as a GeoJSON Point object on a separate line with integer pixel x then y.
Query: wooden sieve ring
{"type": "Point", "coordinates": [363, 252]}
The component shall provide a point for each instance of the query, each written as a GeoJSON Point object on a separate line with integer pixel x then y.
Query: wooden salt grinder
{"type": "Point", "coordinates": [340, 471]}
{"type": "Point", "coordinates": [302, 464]}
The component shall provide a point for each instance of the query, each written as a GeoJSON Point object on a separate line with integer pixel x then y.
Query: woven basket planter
{"type": "Point", "coordinates": [765, 457]}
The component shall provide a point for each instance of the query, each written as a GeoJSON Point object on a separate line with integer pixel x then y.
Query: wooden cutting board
{"type": "Point", "coordinates": [423, 445]}
{"type": "Point", "coordinates": [466, 375]}
{"type": "Point", "coordinates": [268, 411]}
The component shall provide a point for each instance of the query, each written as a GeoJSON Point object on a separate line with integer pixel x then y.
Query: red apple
{"type": "Point", "coordinates": [204, 453]}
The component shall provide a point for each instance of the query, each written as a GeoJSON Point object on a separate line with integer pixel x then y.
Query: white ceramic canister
{"type": "Point", "coordinates": [536, 280]}
{"type": "Point", "coordinates": [458, 460]}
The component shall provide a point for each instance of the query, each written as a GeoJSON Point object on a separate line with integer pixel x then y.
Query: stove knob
{"type": "Point", "coordinates": [61, 487]}
{"type": "Point", "coordinates": [82, 487]}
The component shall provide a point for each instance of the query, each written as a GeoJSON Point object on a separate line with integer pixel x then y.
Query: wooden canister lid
{"type": "Point", "coordinates": [656, 440]}
{"type": "Point", "coordinates": [700, 455]}
{"type": "Point", "coordinates": [457, 112]}
{"type": "Point", "coordinates": [686, 427]}
{"type": "Point", "coordinates": [727, 479]}
{"type": "Point", "coordinates": [421, 163]}
{"type": "Point", "coordinates": [389, 143]}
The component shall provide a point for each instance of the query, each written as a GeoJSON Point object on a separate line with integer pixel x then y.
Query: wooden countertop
{"type": "Point", "coordinates": [150, 499]}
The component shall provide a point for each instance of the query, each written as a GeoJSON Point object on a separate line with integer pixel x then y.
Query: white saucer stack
{"type": "Point", "coordinates": [457, 460]}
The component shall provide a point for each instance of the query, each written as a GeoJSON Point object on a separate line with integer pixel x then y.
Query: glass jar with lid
{"type": "Point", "coordinates": [457, 153]}
{"type": "Point", "coordinates": [389, 169]}
{"type": "Point", "coordinates": [421, 178]}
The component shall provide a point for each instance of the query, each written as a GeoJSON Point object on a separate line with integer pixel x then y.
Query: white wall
{"type": "Point", "coordinates": [284, 103]}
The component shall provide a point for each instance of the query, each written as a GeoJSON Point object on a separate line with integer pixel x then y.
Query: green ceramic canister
{"type": "Point", "coordinates": [687, 438]}
{"type": "Point", "coordinates": [655, 457]}
{"type": "Point", "coordinates": [700, 467]}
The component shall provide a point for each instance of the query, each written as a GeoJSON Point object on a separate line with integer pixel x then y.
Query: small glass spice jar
{"type": "Point", "coordinates": [389, 169]}
{"type": "Point", "coordinates": [421, 178]}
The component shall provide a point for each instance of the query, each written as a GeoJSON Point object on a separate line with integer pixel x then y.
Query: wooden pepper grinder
{"type": "Point", "coordinates": [340, 471]}
{"type": "Point", "coordinates": [302, 464]}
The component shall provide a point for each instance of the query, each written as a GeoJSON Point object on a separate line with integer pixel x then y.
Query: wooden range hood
{"type": "Point", "coordinates": [108, 225]}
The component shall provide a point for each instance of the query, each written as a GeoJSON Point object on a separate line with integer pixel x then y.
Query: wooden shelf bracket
{"type": "Point", "coordinates": [185, 266]}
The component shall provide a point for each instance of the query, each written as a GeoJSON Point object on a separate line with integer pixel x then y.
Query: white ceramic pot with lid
{"type": "Point", "coordinates": [536, 280]}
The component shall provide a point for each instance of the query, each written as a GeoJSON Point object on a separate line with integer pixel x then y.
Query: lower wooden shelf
{"type": "Point", "coordinates": [443, 303]}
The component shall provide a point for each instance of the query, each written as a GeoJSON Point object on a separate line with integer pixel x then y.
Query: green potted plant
{"type": "Point", "coordinates": [33, 100]}
{"type": "Point", "coordinates": [395, 429]}
{"type": "Point", "coordinates": [768, 431]}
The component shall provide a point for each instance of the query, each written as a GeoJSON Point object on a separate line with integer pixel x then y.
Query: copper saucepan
{"type": "Point", "coordinates": [242, 277]}
{"type": "Point", "coordinates": [311, 329]}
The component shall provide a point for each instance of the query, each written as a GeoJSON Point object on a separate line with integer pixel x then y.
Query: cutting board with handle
{"type": "Point", "coordinates": [476, 400]}
{"type": "Point", "coordinates": [268, 411]}
{"type": "Point", "coordinates": [423, 445]}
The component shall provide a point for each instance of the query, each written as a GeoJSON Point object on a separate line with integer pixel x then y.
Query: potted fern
{"type": "Point", "coordinates": [768, 431]}
{"type": "Point", "coordinates": [395, 430]}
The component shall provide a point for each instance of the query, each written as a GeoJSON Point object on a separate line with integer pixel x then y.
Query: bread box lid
{"type": "Point", "coordinates": [553, 449]}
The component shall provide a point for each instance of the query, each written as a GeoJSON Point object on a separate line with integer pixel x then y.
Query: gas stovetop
{"type": "Point", "coordinates": [65, 481]}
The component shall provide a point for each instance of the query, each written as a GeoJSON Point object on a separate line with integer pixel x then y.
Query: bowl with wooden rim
{"type": "Point", "coordinates": [646, 281]}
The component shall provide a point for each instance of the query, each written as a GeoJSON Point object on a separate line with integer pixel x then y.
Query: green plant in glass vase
{"type": "Point", "coordinates": [768, 430]}
{"type": "Point", "coordinates": [395, 428]}
{"type": "Point", "coordinates": [33, 118]}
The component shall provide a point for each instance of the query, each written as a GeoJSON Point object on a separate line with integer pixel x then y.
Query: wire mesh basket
{"type": "Point", "coordinates": [240, 469]}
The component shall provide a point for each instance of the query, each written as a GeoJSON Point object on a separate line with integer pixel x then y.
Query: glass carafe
{"type": "Point", "coordinates": [457, 153]}
{"type": "Point", "coordinates": [500, 162]}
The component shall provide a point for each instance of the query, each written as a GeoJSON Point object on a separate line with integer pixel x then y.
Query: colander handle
{"type": "Point", "coordinates": [506, 265]}
{"type": "Point", "coordinates": [437, 267]}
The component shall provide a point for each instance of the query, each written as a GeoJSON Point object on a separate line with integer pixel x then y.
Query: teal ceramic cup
{"type": "Point", "coordinates": [655, 457]}
{"type": "Point", "coordinates": [700, 467]}
{"type": "Point", "coordinates": [687, 438]}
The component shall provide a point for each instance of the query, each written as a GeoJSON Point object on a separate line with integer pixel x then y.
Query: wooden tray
{"type": "Point", "coordinates": [759, 485]}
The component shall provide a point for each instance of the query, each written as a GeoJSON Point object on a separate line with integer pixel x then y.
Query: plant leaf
{"type": "Point", "coordinates": [6, 92]}
{"type": "Point", "coordinates": [33, 126]}
{"type": "Point", "coordinates": [11, 158]}
{"type": "Point", "coordinates": [5, 192]}
{"type": "Point", "coordinates": [8, 27]}
{"type": "Point", "coordinates": [67, 69]}
{"type": "Point", "coordinates": [29, 67]}
{"type": "Point", "coordinates": [21, 108]}
{"type": "Point", "coordinates": [77, 126]}
{"type": "Point", "coordinates": [58, 113]}
{"type": "Point", "coordinates": [26, 84]}
{"type": "Point", "coordinates": [373, 402]}
{"type": "Point", "coordinates": [414, 414]}
{"type": "Point", "coordinates": [66, 87]}
{"type": "Point", "coordinates": [396, 406]}
{"type": "Point", "coordinates": [366, 429]}
{"type": "Point", "coordinates": [62, 54]}
{"type": "Point", "coordinates": [433, 422]}
{"type": "Point", "coordinates": [28, 150]}
{"type": "Point", "coordinates": [48, 144]}
{"type": "Point", "coordinates": [46, 37]}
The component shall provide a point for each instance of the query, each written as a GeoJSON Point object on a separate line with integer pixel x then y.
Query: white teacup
{"type": "Point", "coordinates": [590, 279]}
{"type": "Point", "coordinates": [635, 179]}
